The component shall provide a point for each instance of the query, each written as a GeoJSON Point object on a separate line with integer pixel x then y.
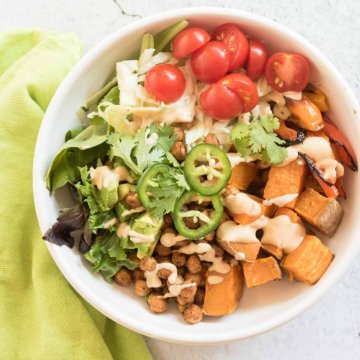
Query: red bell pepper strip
{"type": "Point", "coordinates": [343, 147]}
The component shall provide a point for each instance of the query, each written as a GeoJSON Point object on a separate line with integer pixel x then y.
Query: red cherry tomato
{"type": "Point", "coordinates": [236, 43]}
{"type": "Point", "coordinates": [165, 82]}
{"type": "Point", "coordinates": [210, 62]}
{"type": "Point", "coordinates": [256, 61]}
{"type": "Point", "coordinates": [189, 40]}
{"type": "Point", "coordinates": [244, 87]}
{"type": "Point", "coordinates": [287, 71]}
{"type": "Point", "coordinates": [220, 103]}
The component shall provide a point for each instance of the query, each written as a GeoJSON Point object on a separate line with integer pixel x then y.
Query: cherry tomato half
{"type": "Point", "coordinates": [236, 43]}
{"type": "Point", "coordinates": [244, 87]}
{"type": "Point", "coordinates": [257, 58]}
{"type": "Point", "coordinates": [165, 82]}
{"type": "Point", "coordinates": [189, 40]}
{"type": "Point", "coordinates": [220, 103]}
{"type": "Point", "coordinates": [210, 62]}
{"type": "Point", "coordinates": [287, 71]}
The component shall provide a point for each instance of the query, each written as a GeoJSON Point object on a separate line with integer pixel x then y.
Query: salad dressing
{"type": "Point", "coordinates": [193, 248]}
{"type": "Point", "coordinates": [138, 238]}
{"type": "Point", "coordinates": [133, 211]}
{"type": "Point", "coordinates": [175, 290]}
{"type": "Point", "coordinates": [230, 231]}
{"type": "Point", "coordinates": [170, 239]}
{"type": "Point", "coordinates": [103, 176]}
{"type": "Point", "coordinates": [242, 203]}
{"type": "Point", "coordinates": [280, 200]}
{"type": "Point", "coordinates": [152, 279]}
{"type": "Point", "coordinates": [214, 279]}
{"type": "Point", "coordinates": [109, 223]}
{"type": "Point", "coordinates": [122, 230]}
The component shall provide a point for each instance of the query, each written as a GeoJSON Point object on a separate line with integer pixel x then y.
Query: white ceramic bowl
{"type": "Point", "coordinates": [262, 308]}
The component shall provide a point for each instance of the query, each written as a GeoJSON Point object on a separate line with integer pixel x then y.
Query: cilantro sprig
{"type": "Point", "coordinates": [259, 139]}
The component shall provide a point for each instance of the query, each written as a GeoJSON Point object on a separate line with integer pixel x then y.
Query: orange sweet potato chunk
{"type": "Point", "coordinates": [247, 251]}
{"type": "Point", "coordinates": [323, 213]}
{"type": "Point", "coordinates": [261, 271]}
{"type": "Point", "coordinates": [223, 298]}
{"type": "Point", "coordinates": [288, 179]}
{"type": "Point", "coordinates": [242, 175]}
{"type": "Point", "coordinates": [308, 262]}
{"type": "Point", "coordinates": [244, 219]}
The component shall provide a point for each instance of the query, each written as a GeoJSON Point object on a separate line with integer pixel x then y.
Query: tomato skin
{"type": "Point", "coordinates": [244, 87]}
{"type": "Point", "coordinates": [257, 58]}
{"type": "Point", "coordinates": [165, 82]}
{"type": "Point", "coordinates": [220, 103]}
{"type": "Point", "coordinates": [210, 62]}
{"type": "Point", "coordinates": [287, 71]}
{"type": "Point", "coordinates": [236, 42]}
{"type": "Point", "coordinates": [188, 41]}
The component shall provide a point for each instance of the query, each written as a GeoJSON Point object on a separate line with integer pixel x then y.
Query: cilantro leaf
{"type": "Point", "coordinates": [259, 139]}
{"type": "Point", "coordinates": [166, 136]}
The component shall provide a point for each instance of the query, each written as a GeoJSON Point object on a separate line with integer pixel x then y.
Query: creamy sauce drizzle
{"type": "Point", "coordinates": [175, 290]}
{"type": "Point", "coordinates": [214, 279]}
{"type": "Point", "coordinates": [103, 176]}
{"type": "Point", "coordinates": [236, 159]}
{"type": "Point", "coordinates": [124, 230]}
{"type": "Point", "coordinates": [152, 279]}
{"type": "Point", "coordinates": [170, 239]}
{"type": "Point", "coordinates": [193, 248]}
{"type": "Point", "coordinates": [242, 204]}
{"type": "Point", "coordinates": [133, 211]}
{"type": "Point", "coordinates": [111, 222]}
{"type": "Point", "coordinates": [280, 200]}
{"type": "Point", "coordinates": [283, 233]}
{"type": "Point", "coordinates": [230, 231]}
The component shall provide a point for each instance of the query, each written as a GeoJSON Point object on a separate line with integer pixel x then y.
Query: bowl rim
{"type": "Point", "coordinates": [129, 321]}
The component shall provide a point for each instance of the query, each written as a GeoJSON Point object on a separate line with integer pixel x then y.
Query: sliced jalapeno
{"type": "Point", "coordinates": [203, 219]}
{"type": "Point", "coordinates": [207, 169]}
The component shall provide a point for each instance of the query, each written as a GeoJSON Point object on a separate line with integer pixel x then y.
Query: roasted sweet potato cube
{"type": "Point", "coordinates": [247, 251]}
{"type": "Point", "coordinates": [319, 211]}
{"type": "Point", "coordinates": [242, 175]}
{"type": "Point", "coordinates": [288, 179]}
{"type": "Point", "coordinates": [223, 298]}
{"type": "Point", "coordinates": [308, 262]}
{"type": "Point", "coordinates": [261, 271]}
{"type": "Point", "coordinates": [244, 219]}
{"type": "Point", "coordinates": [273, 249]}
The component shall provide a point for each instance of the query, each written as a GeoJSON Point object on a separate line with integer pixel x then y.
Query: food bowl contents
{"type": "Point", "coordinates": [205, 165]}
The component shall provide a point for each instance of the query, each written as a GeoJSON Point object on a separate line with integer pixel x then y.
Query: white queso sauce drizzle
{"type": "Point", "coordinates": [152, 279]}
{"type": "Point", "coordinates": [170, 239]}
{"type": "Point", "coordinates": [103, 176]}
{"type": "Point", "coordinates": [242, 204]}
{"type": "Point", "coordinates": [280, 200]}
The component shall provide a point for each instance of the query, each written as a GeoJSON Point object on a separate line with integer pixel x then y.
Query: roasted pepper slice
{"type": "Point", "coordinates": [203, 221]}
{"type": "Point", "coordinates": [207, 169]}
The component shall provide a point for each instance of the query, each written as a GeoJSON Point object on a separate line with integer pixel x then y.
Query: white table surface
{"type": "Point", "coordinates": [331, 328]}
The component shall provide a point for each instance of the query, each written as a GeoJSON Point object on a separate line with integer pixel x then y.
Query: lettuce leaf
{"type": "Point", "coordinates": [97, 200]}
{"type": "Point", "coordinates": [109, 253]}
{"type": "Point", "coordinates": [88, 145]}
{"type": "Point", "coordinates": [69, 220]}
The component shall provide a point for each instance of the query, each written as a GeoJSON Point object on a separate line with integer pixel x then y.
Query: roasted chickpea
{"type": "Point", "coordinates": [199, 296]}
{"type": "Point", "coordinates": [192, 314]}
{"type": "Point", "coordinates": [211, 139]}
{"type": "Point", "coordinates": [186, 125]}
{"type": "Point", "coordinates": [162, 259]}
{"type": "Point", "coordinates": [196, 278]}
{"type": "Point", "coordinates": [138, 274]}
{"type": "Point", "coordinates": [184, 300]}
{"type": "Point", "coordinates": [179, 133]}
{"type": "Point", "coordinates": [123, 277]}
{"type": "Point", "coordinates": [188, 292]}
{"type": "Point", "coordinates": [141, 289]}
{"type": "Point", "coordinates": [178, 259]}
{"type": "Point", "coordinates": [219, 251]}
{"type": "Point", "coordinates": [163, 274]}
{"type": "Point", "coordinates": [194, 264]}
{"type": "Point", "coordinates": [147, 263]}
{"type": "Point", "coordinates": [162, 250]}
{"type": "Point", "coordinates": [180, 308]}
{"type": "Point", "coordinates": [181, 270]}
{"type": "Point", "coordinates": [210, 236]}
{"type": "Point", "coordinates": [179, 151]}
{"type": "Point", "coordinates": [132, 200]}
{"type": "Point", "coordinates": [189, 222]}
{"type": "Point", "coordinates": [182, 243]}
{"type": "Point", "coordinates": [157, 304]}
{"type": "Point", "coordinates": [168, 221]}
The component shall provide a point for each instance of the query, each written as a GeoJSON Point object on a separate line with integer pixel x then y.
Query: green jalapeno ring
{"type": "Point", "coordinates": [207, 153]}
{"type": "Point", "coordinates": [210, 222]}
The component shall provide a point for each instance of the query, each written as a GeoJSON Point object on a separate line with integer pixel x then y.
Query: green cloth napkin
{"type": "Point", "coordinates": [41, 316]}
